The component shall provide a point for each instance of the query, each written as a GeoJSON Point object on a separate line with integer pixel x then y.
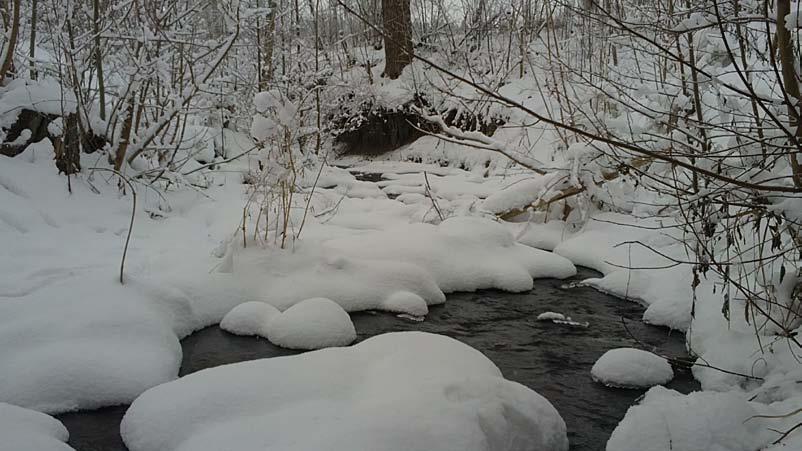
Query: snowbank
{"type": "Point", "coordinates": [312, 324]}
{"type": "Point", "coordinates": [462, 254]}
{"type": "Point", "coordinates": [666, 419]}
{"type": "Point", "coordinates": [394, 392]}
{"type": "Point", "coordinates": [249, 318]}
{"type": "Point", "coordinates": [631, 368]}
{"type": "Point", "coordinates": [23, 429]}
{"type": "Point", "coordinates": [618, 246]}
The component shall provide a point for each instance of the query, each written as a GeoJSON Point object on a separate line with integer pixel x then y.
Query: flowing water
{"type": "Point", "coordinates": [552, 359]}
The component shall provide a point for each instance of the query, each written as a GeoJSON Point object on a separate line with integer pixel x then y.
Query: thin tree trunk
{"type": "Point", "coordinates": [268, 35]}
{"type": "Point", "coordinates": [32, 48]}
{"type": "Point", "coordinates": [101, 85]}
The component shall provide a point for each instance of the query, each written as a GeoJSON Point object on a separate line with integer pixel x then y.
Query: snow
{"type": "Point", "coordinates": [521, 194]}
{"type": "Point", "coordinates": [461, 253]}
{"type": "Point", "coordinates": [666, 419]}
{"type": "Point", "coordinates": [620, 247]}
{"type": "Point", "coordinates": [249, 318]}
{"type": "Point", "coordinates": [550, 316]}
{"type": "Point", "coordinates": [631, 368]}
{"type": "Point", "coordinates": [44, 96]}
{"type": "Point", "coordinates": [24, 429]}
{"type": "Point", "coordinates": [400, 391]}
{"type": "Point", "coordinates": [312, 324]}
{"type": "Point", "coordinates": [406, 302]}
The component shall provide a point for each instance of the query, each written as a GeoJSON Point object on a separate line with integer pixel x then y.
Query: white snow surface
{"type": "Point", "coordinates": [24, 429]}
{"type": "Point", "coordinates": [551, 316]}
{"type": "Point", "coordinates": [462, 254]}
{"type": "Point", "coordinates": [312, 324]}
{"type": "Point", "coordinates": [668, 420]}
{"type": "Point", "coordinates": [406, 391]}
{"type": "Point", "coordinates": [249, 318]}
{"type": "Point", "coordinates": [631, 368]}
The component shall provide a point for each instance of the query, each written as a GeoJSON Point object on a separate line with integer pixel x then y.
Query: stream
{"type": "Point", "coordinates": [552, 359]}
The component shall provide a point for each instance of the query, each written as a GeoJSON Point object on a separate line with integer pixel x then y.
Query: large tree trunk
{"type": "Point", "coordinates": [398, 50]}
{"type": "Point", "coordinates": [791, 84]}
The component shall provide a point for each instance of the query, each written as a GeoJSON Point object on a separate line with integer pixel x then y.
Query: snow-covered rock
{"type": "Point", "coordinates": [406, 302]}
{"type": "Point", "coordinates": [23, 429]}
{"type": "Point", "coordinates": [405, 391]}
{"type": "Point", "coordinates": [631, 368]}
{"type": "Point", "coordinates": [312, 324]}
{"type": "Point", "coordinates": [668, 420]}
{"type": "Point", "coordinates": [551, 316]}
{"type": "Point", "coordinates": [249, 318]}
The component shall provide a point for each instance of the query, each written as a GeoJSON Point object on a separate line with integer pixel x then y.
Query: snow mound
{"type": "Point", "coordinates": [22, 429]}
{"type": "Point", "coordinates": [461, 254]}
{"type": "Point", "coordinates": [551, 316]}
{"type": "Point", "coordinates": [631, 368]}
{"type": "Point", "coordinates": [519, 195]}
{"type": "Point", "coordinates": [406, 302]}
{"type": "Point", "coordinates": [669, 420]}
{"type": "Point", "coordinates": [407, 391]}
{"type": "Point", "coordinates": [354, 283]}
{"type": "Point", "coordinates": [312, 324]}
{"type": "Point", "coordinates": [249, 318]}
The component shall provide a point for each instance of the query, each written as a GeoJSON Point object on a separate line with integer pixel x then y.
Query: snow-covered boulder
{"type": "Point", "coordinates": [312, 324]}
{"type": "Point", "coordinates": [406, 391]}
{"type": "Point", "coordinates": [22, 429]}
{"type": "Point", "coordinates": [406, 302]}
{"type": "Point", "coordinates": [668, 420]}
{"type": "Point", "coordinates": [631, 368]}
{"type": "Point", "coordinates": [249, 318]}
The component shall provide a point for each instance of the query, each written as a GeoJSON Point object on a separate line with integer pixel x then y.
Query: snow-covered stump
{"type": "Point", "coordinates": [24, 429]}
{"type": "Point", "coordinates": [406, 391]}
{"type": "Point", "coordinates": [631, 368]}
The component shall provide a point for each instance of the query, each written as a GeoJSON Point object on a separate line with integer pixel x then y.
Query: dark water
{"type": "Point", "coordinates": [554, 360]}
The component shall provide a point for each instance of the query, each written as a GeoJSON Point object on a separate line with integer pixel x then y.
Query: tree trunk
{"type": "Point", "coordinates": [11, 42]}
{"type": "Point", "coordinates": [32, 47]}
{"type": "Point", "coordinates": [790, 83]}
{"type": "Point", "coordinates": [101, 85]}
{"type": "Point", "coordinates": [398, 50]}
{"type": "Point", "coordinates": [67, 147]}
{"type": "Point", "coordinates": [268, 33]}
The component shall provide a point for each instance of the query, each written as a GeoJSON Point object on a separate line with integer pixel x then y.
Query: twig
{"type": "Point", "coordinates": [133, 213]}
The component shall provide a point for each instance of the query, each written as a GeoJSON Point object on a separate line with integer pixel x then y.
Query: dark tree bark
{"type": "Point", "coordinates": [398, 50]}
{"type": "Point", "coordinates": [68, 148]}
{"type": "Point", "coordinates": [785, 47]}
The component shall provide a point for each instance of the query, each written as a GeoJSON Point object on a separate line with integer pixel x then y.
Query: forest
{"type": "Point", "coordinates": [400, 225]}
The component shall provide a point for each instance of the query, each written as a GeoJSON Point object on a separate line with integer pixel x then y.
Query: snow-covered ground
{"type": "Point", "coordinates": [72, 337]}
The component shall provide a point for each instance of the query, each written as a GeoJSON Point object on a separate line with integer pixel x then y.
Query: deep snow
{"type": "Point", "coordinates": [410, 390]}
